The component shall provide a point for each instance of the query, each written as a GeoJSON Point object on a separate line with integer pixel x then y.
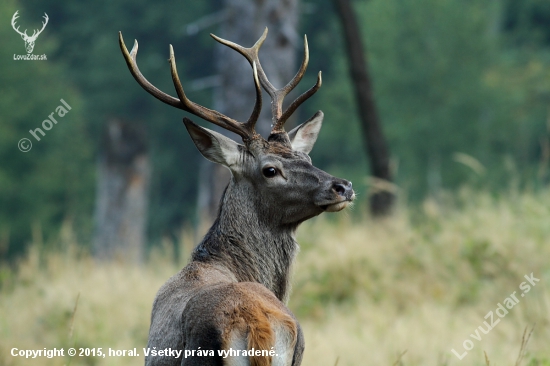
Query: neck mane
{"type": "Point", "coordinates": [249, 242]}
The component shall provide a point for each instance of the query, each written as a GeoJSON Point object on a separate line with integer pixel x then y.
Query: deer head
{"type": "Point", "coordinates": [273, 180]}
{"type": "Point", "coordinates": [29, 40]}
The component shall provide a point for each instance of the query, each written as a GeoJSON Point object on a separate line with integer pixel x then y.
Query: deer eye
{"type": "Point", "coordinates": [269, 172]}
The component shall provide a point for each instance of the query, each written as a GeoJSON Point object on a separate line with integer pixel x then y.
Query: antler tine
{"type": "Point", "coordinates": [279, 126]}
{"type": "Point", "coordinates": [303, 67]}
{"type": "Point", "coordinates": [277, 95]}
{"type": "Point", "coordinates": [183, 102]}
{"type": "Point", "coordinates": [251, 54]}
{"type": "Point", "coordinates": [45, 22]}
{"type": "Point", "coordinates": [207, 114]}
{"type": "Point", "coordinates": [13, 23]}
{"type": "Point", "coordinates": [251, 123]}
{"type": "Point", "coordinates": [130, 58]}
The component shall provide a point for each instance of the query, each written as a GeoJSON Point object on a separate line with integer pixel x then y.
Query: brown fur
{"type": "Point", "coordinates": [255, 313]}
{"type": "Point", "coordinates": [260, 335]}
{"type": "Point", "coordinates": [238, 279]}
{"type": "Point", "coordinates": [232, 294]}
{"type": "Point", "coordinates": [234, 289]}
{"type": "Point", "coordinates": [260, 317]}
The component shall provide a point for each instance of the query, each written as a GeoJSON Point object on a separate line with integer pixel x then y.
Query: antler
{"type": "Point", "coordinates": [35, 34]}
{"type": "Point", "coordinates": [277, 95]}
{"type": "Point", "coordinates": [13, 19]}
{"type": "Point", "coordinates": [245, 130]}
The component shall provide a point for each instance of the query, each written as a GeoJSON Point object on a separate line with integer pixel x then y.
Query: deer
{"type": "Point", "coordinates": [227, 306]}
{"type": "Point", "coordinates": [29, 40]}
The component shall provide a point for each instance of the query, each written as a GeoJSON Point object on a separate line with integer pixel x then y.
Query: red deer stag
{"type": "Point", "coordinates": [229, 301]}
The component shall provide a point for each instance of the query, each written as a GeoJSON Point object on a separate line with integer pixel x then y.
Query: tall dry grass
{"type": "Point", "coordinates": [423, 282]}
{"type": "Point", "coordinates": [404, 291]}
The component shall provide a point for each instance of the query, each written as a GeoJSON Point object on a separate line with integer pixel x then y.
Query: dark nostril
{"type": "Point", "coordinates": [339, 188]}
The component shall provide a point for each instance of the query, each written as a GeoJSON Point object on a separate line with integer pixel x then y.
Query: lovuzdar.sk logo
{"type": "Point", "coordinates": [29, 40]}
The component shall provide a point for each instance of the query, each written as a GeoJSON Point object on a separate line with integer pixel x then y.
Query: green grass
{"type": "Point", "coordinates": [403, 291]}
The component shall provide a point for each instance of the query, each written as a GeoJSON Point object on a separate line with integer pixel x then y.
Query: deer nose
{"type": "Point", "coordinates": [343, 188]}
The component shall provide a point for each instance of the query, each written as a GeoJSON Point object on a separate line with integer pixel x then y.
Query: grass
{"type": "Point", "coordinates": [404, 291]}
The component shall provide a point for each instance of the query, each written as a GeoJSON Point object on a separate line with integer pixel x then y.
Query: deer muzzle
{"type": "Point", "coordinates": [342, 193]}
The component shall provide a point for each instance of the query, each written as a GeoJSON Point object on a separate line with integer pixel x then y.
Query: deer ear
{"type": "Point", "coordinates": [303, 137]}
{"type": "Point", "coordinates": [213, 145]}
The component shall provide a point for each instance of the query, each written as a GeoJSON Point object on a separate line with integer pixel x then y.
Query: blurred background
{"type": "Point", "coordinates": [461, 87]}
{"type": "Point", "coordinates": [437, 110]}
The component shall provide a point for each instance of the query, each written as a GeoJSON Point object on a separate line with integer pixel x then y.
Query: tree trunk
{"type": "Point", "coordinates": [122, 193]}
{"type": "Point", "coordinates": [381, 199]}
{"type": "Point", "coordinates": [244, 23]}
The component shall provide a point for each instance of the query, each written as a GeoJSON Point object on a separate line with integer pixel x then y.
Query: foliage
{"type": "Point", "coordinates": [462, 87]}
{"type": "Point", "coordinates": [95, 63]}
{"type": "Point", "coordinates": [52, 182]}
{"type": "Point", "coordinates": [448, 80]}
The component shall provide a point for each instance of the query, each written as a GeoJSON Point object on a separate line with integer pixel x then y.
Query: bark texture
{"type": "Point", "coordinates": [122, 193]}
{"type": "Point", "coordinates": [381, 199]}
{"type": "Point", "coordinates": [245, 20]}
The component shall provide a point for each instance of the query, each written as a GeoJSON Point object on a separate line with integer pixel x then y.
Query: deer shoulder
{"type": "Point", "coordinates": [230, 299]}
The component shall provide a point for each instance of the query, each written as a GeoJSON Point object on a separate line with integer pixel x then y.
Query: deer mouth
{"type": "Point", "coordinates": [335, 207]}
{"type": "Point", "coordinates": [338, 206]}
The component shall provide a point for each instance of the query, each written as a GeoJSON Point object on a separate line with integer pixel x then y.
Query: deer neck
{"type": "Point", "coordinates": [248, 243]}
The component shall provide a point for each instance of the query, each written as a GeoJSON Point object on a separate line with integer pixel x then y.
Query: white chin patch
{"type": "Point", "coordinates": [337, 206]}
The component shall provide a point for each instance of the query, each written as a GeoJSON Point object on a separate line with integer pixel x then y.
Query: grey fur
{"type": "Point", "coordinates": [250, 247]}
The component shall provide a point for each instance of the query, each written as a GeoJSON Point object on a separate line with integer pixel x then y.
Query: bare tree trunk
{"type": "Point", "coordinates": [122, 193]}
{"type": "Point", "coordinates": [382, 199]}
{"type": "Point", "coordinates": [244, 23]}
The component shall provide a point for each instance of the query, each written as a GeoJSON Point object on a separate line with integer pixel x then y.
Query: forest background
{"type": "Point", "coordinates": [463, 92]}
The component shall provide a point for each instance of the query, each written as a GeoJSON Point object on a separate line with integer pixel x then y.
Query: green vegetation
{"type": "Point", "coordinates": [450, 77]}
{"type": "Point", "coordinates": [51, 183]}
{"type": "Point", "coordinates": [463, 90]}
{"type": "Point", "coordinates": [365, 292]}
